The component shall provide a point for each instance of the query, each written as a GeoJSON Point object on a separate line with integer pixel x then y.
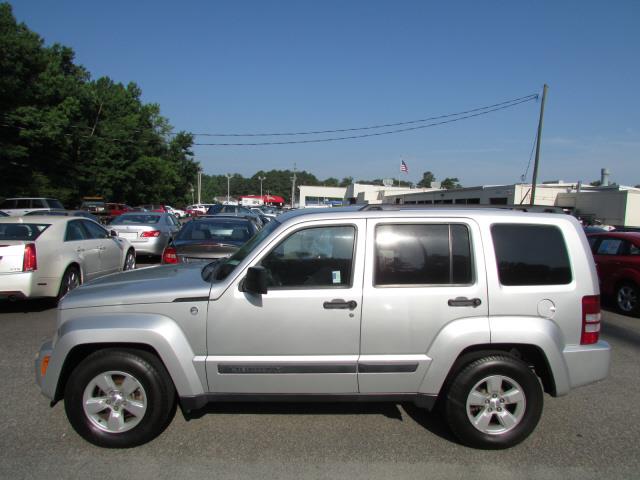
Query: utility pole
{"type": "Point", "coordinates": [293, 187]}
{"type": "Point", "coordinates": [538, 141]}
{"type": "Point", "coordinates": [199, 187]}
{"type": "Point", "coordinates": [261, 179]}
{"type": "Point", "coordinates": [228, 175]}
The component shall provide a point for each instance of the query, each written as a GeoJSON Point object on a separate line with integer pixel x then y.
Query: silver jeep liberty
{"type": "Point", "coordinates": [477, 311]}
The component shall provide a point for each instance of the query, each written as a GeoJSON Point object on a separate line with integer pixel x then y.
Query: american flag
{"type": "Point", "coordinates": [403, 167]}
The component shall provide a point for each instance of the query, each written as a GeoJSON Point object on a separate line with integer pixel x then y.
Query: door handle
{"type": "Point", "coordinates": [464, 302]}
{"type": "Point", "coordinates": [80, 250]}
{"type": "Point", "coordinates": [102, 248]}
{"type": "Point", "coordinates": [340, 304]}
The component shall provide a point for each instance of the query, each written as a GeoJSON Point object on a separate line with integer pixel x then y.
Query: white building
{"type": "Point", "coordinates": [310, 197]}
{"type": "Point", "coordinates": [610, 205]}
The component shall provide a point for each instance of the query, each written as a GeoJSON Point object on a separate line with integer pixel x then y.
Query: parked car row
{"type": "Point", "coordinates": [48, 253]}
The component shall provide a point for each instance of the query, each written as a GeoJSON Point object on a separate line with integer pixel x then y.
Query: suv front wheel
{"type": "Point", "coordinates": [494, 402]}
{"type": "Point", "coordinates": [119, 398]}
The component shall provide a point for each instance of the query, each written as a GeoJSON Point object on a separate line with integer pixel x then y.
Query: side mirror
{"type": "Point", "coordinates": [256, 281]}
{"type": "Point", "coordinates": [113, 233]}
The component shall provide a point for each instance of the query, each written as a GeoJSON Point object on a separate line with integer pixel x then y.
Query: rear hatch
{"type": "Point", "coordinates": [11, 256]}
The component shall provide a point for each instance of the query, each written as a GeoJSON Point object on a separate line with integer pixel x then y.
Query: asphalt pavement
{"type": "Point", "coordinates": [594, 432]}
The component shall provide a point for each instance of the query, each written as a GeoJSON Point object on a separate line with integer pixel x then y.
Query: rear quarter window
{"type": "Point", "coordinates": [531, 255]}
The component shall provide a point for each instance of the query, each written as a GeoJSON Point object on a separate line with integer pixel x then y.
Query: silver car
{"type": "Point", "coordinates": [47, 256]}
{"type": "Point", "coordinates": [148, 232]}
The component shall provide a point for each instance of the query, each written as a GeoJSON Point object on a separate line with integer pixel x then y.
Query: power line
{"type": "Point", "coordinates": [389, 132]}
{"type": "Point", "coordinates": [318, 132]}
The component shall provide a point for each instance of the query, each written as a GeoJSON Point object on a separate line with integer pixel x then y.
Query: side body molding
{"type": "Point", "coordinates": [154, 330]}
{"type": "Point", "coordinates": [447, 346]}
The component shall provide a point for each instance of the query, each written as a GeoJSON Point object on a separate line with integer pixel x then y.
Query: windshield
{"type": "Point", "coordinates": [220, 270]}
{"type": "Point", "coordinates": [21, 231]}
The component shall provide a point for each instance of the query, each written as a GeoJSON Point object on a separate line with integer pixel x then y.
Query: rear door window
{"type": "Point", "coordinates": [38, 203]}
{"type": "Point", "coordinates": [95, 230]}
{"type": "Point", "coordinates": [75, 231]}
{"type": "Point", "coordinates": [422, 254]}
{"type": "Point", "coordinates": [531, 255]}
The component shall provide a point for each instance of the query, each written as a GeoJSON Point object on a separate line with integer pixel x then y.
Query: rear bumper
{"type": "Point", "coordinates": [587, 363]}
{"type": "Point", "coordinates": [17, 286]}
{"type": "Point", "coordinates": [150, 246]}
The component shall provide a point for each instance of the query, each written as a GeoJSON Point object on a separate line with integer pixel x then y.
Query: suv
{"type": "Point", "coordinates": [476, 310]}
{"type": "Point", "coordinates": [21, 206]}
{"type": "Point", "coordinates": [617, 256]}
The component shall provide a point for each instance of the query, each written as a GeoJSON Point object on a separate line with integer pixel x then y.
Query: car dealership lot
{"type": "Point", "coordinates": [593, 431]}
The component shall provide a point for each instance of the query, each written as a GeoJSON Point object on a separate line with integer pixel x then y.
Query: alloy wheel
{"type": "Point", "coordinates": [496, 405]}
{"type": "Point", "coordinates": [114, 401]}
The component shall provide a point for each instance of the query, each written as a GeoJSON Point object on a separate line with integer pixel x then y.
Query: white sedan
{"type": "Point", "coordinates": [44, 256]}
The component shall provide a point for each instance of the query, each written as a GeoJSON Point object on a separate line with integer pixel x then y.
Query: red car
{"type": "Point", "coordinates": [617, 256]}
{"type": "Point", "coordinates": [117, 209]}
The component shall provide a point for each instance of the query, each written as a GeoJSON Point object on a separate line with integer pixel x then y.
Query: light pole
{"type": "Point", "coordinates": [228, 175]}
{"type": "Point", "coordinates": [293, 187]}
{"type": "Point", "coordinates": [192, 190]}
{"type": "Point", "coordinates": [261, 180]}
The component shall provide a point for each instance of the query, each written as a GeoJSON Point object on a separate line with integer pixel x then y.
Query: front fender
{"type": "Point", "coordinates": [156, 331]}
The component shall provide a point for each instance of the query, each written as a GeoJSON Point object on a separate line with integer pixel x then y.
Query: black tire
{"type": "Point", "coordinates": [70, 279]}
{"type": "Point", "coordinates": [129, 261]}
{"type": "Point", "coordinates": [508, 421]}
{"type": "Point", "coordinates": [627, 298]}
{"type": "Point", "coordinates": [154, 390]}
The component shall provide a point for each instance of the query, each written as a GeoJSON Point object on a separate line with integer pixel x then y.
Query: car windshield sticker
{"type": "Point", "coordinates": [335, 275]}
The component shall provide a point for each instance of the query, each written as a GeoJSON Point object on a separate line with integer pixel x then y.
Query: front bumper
{"type": "Point", "coordinates": [46, 351]}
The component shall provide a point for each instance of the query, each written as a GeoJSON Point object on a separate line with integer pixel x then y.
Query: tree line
{"type": "Point", "coordinates": [66, 135]}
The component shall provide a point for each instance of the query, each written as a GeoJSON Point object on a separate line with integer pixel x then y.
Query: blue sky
{"type": "Point", "coordinates": [273, 66]}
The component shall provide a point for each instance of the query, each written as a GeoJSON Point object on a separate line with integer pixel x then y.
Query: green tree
{"type": "Point", "coordinates": [450, 182]}
{"type": "Point", "coordinates": [427, 179]}
{"type": "Point", "coordinates": [346, 181]}
{"type": "Point", "coordinates": [68, 136]}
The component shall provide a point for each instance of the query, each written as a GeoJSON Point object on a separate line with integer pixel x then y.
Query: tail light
{"type": "Point", "coordinates": [591, 317]}
{"type": "Point", "coordinates": [150, 234]}
{"type": "Point", "coordinates": [29, 261]}
{"type": "Point", "coordinates": [169, 255]}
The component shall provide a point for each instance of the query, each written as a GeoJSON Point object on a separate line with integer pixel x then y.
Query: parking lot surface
{"type": "Point", "coordinates": [594, 432]}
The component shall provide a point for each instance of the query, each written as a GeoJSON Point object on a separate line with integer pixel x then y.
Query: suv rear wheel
{"type": "Point", "coordinates": [494, 402]}
{"type": "Point", "coordinates": [119, 398]}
